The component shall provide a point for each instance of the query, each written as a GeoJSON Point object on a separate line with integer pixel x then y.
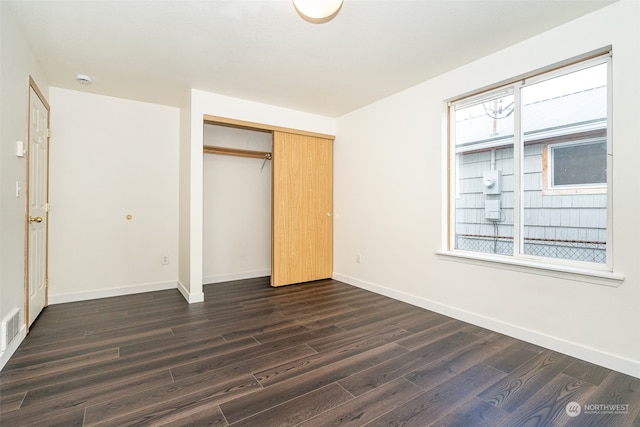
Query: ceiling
{"type": "Point", "coordinates": [261, 50]}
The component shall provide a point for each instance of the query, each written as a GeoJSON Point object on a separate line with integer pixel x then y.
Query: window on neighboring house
{"type": "Point", "coordinates": [577, 165]}
{"type": "Point", "coordinates": [530, 168]}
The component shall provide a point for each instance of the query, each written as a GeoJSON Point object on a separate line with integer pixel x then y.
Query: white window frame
{"type": "Point", "coordinates": [577, 270]}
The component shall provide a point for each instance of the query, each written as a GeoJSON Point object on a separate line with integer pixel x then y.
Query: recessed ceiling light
{"type": "Point", "coordinates": [83, 79]}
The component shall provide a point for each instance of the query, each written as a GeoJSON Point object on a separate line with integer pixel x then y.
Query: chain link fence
{"type": "Point", "coordinates": [574, 250]}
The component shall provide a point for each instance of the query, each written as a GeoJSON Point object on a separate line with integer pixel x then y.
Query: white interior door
{"type": "Point", "coordinates": [37, 215]}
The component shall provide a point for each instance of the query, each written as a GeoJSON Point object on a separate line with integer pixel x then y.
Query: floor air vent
{"type": "Point", "coordinates": [9, 329]}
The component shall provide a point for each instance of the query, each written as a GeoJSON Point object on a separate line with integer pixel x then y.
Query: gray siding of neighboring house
{"type": "Point", "coordinates": [568, 226]}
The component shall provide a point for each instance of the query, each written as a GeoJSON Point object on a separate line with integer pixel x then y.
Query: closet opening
{"type": "Point", "coordinates": [267, 203]}
{"type": "Point", "coordinates": [236, 203]}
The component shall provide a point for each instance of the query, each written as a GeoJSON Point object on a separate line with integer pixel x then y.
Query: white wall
{"type": "Point", "coordinates": [18, 63]}
{"type": "Point", "coordinates": [111, 158]}
{"type": "Point", "coordinates": [205, 103]}
{"type": "Point", "coordinates": [184, 201]}
{"type": "Point", "coordinates": [389, 178]}
{"type": "Point", "coordinates": [237, 207]}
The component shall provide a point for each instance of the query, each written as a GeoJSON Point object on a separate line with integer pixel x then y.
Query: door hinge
{"type": "Point", "coordinates": [48, 132]}
{"type": "Point", "coordinates": [46, 207]}
{"type": "Point", "coordinates": [46, 282]}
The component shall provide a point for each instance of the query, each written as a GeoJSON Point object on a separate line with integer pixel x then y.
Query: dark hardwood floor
{"type": "Point", "coordinates": [318, 354]}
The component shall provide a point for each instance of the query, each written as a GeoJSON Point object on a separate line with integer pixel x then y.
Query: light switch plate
{"type": "Point", "coordinates": [20, 149]}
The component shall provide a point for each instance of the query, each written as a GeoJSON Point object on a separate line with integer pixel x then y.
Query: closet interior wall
{"type": "Point", "coordinates": [236, 206]}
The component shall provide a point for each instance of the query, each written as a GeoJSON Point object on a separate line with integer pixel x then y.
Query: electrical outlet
{"type": "Point", "coordinates": [164, 260]}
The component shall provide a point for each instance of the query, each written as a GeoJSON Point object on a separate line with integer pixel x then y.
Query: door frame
{"type": "Point", "coordinates": [36, 89]}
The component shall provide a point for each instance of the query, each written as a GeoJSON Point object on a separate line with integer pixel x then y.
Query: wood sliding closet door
{"type": "Point", "coordinates": [302, 209]}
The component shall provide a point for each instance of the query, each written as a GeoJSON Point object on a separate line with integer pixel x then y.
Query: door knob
{"type": "Point", "coordinates": [37, 219]}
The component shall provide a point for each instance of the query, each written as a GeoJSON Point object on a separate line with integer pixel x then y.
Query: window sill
{"type": "Point", "coordinates": [555, 191]}
{"type": "Point", "coordinates": [597, 277]}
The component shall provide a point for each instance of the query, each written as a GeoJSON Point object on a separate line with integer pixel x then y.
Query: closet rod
{"type": "Point", "coordinates": [237, 152]}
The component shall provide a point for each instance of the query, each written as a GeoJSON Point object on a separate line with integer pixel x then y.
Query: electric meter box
{"type": "Point", "coordinates": [492, 182]}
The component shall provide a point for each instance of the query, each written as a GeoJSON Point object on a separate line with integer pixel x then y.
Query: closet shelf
{"type": "Point", "coordinates": [237, 152]}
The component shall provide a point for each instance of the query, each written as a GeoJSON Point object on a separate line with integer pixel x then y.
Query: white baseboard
{"type": "Point", "coordinates": [191, 298]}
{"type": "Point", "coordinates": [598, 357]}
{"type": "Point", "coordinates": [13, 346]}
{"type": "Point", "coordinates": [218, 278]}
{"type": "Point", "coordinates": [105, 293]}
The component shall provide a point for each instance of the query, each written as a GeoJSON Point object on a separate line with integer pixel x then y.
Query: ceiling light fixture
{"type": "Point", "coordinates": [83, 79]}
{"type": "Point", "coordinates": [317, 11]}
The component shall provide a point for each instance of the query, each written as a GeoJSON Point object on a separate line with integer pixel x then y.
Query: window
{"type": "Point", "coordinates": [578, 165]}
{"type": "Point", "coordinates": [530, 169]}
